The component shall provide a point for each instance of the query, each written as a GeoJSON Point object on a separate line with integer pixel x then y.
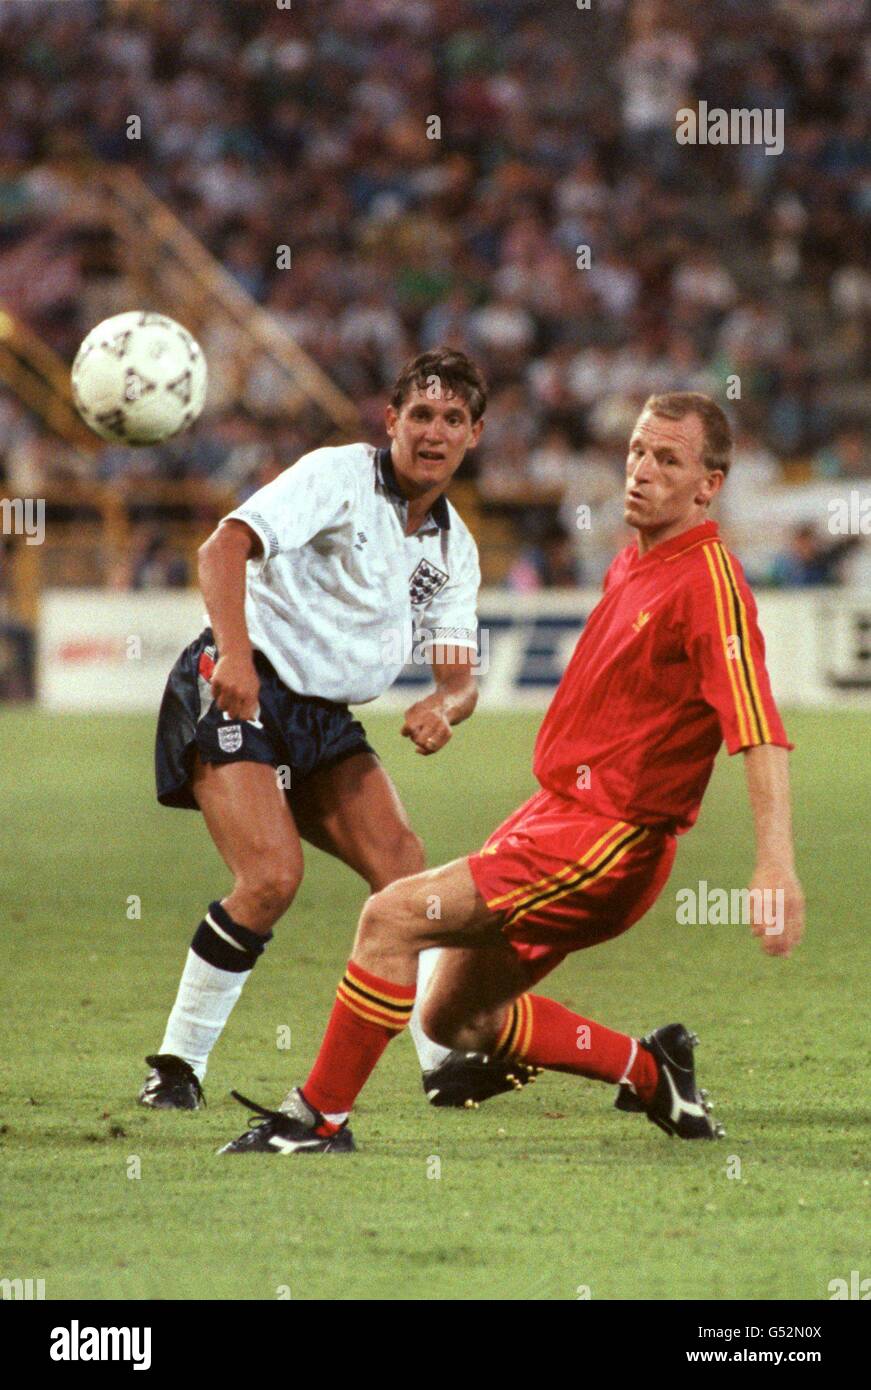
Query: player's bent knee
{"type": "Point", "coordinates": [376, 918]}
{"type": "Point", "coordinates": [270, 894]}
{"type": "Point", "coordinates": [388, 916]}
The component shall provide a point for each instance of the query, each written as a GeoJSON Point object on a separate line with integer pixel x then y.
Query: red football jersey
{"type": "Point", "coordinates": [670, 663]}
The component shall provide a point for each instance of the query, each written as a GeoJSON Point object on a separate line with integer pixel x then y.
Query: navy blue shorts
{"type": "Point", "coordinates": [300, 733]}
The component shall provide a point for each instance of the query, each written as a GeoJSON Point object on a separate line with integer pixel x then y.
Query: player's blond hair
{"type": "Point", "coordinates": [717, 436]}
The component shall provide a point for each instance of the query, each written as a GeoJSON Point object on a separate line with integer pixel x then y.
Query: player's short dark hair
{"type": "Point", "coordinates": [457, 374]}
{"type": "Point", "coordinates": [677, 405]}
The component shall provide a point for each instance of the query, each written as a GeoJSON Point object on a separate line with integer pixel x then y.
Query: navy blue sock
{"type": "Point", "coordinates": [240, 952]}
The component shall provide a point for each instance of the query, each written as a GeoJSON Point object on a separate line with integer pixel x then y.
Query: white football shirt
{"type": "Point", "coordinates": [340, 593]}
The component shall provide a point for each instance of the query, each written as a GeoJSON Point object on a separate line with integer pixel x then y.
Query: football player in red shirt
{"type": "Point", "coordinates": [670, 664]}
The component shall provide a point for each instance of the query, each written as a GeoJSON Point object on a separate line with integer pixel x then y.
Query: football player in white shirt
{"type": "Point", "coordinates": [313, 589]}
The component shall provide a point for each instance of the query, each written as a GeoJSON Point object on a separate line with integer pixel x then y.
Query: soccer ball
{"type": "Point", "coordinates": [139, 378]}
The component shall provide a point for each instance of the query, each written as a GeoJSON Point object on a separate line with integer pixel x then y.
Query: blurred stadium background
{"type": "Point", "coordinates": [176, 155]}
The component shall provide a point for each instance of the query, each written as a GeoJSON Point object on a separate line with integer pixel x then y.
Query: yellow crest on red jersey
{"type": "Point", "coordinates": [642, 618]}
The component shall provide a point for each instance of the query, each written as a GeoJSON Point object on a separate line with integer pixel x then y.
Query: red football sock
{"type": "Point", "coordinates": [545, 1034]}
{"type": "Point", "coordinates": [367, 1013]}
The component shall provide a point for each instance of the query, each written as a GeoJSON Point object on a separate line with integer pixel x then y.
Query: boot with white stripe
{"type": "Point", "coordinates": [678, 1107]}
{"type": "Point", "coordinates": [295, 1128]}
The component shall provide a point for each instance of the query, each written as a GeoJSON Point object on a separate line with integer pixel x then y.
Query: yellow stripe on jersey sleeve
{"type": "Point", "coordinates": [753, 724]}
{"type": "Point", "coordinates": [743, 731]}
{"type": "Point", "coordinates": [756, 698]}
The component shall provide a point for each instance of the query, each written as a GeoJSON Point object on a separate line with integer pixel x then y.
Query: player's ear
{"type": "Point", "coordinates": [391, 415]}
{"type": "Point", "coordinates": [476, 432]}
{"type": "Point", "coordinates": [710, 485]}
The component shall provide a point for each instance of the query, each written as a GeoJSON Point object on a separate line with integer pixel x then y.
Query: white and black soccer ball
{"type": "Point", "coordinates": [139, 378]}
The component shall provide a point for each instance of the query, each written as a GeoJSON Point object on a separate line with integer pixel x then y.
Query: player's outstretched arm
{"type": "Point", "coordinates": [428, 722]}
{"type": "Point", "coordinates": [778, 904]}
{"type": "Point", "coordinates": [221, 568]}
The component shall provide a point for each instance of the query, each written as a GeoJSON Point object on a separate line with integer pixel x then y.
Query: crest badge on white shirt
{"type": "Point", "coordinates": [426, 581]}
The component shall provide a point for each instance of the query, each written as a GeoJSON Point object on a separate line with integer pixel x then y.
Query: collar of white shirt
{"type": "Point", "coordinates": [438, 518]}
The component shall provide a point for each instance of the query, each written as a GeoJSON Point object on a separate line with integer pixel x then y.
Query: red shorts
{"type": "Point", "coordinates": [564, 879]}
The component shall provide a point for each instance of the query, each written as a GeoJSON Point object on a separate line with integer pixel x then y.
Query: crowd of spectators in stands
{"type": "Point", "coordinates": [437, 170]}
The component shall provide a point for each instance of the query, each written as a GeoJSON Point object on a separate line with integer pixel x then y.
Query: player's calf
{"type": "Point", "coordinates": [474, 1032]}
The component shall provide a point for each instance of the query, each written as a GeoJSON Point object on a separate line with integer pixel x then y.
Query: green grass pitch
{"type": "Point", "coordinates": [541, 1195]}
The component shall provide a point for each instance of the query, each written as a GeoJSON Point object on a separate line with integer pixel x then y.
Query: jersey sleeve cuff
{"type": "Point", "coordinates": [739, 745]}
{"type": "Point", "coordinates": [450, 637]}
{"type": "Point", "coordinates": [262, 530]}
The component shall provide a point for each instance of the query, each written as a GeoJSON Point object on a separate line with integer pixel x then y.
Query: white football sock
{"type": "Point", "coordinates": [429, 1054]}
{"type": "Point", "coordinates": [204, 1002]}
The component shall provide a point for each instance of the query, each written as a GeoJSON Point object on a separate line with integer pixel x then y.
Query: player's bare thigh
{"type": "Point", "coordinates": [353, 811]}
{"type": "Point", "coordinates": [439, 907]}
{"type": "Point", "coordinates": [247, 816]}
{"type": "Point", "coordinates": [478, 974]}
